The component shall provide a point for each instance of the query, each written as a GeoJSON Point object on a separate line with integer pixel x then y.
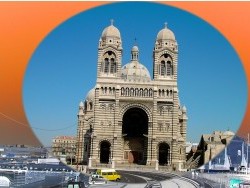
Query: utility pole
{"type": "Point", "coordinates": [71, 155]}
{"type": "Point", "coordinates": [247, 152]}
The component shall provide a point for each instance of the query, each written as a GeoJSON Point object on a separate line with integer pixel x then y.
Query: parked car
{"type": "Point", "coordinates": [72, 184]}
{"type": "Point", "coordinates": [97, 179]}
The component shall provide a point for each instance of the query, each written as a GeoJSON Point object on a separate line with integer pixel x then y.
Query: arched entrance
{"type": "Point", "coordinates": [104, 151]}
{"type": "Point", "coordinates": [164, 154]}
{"type": "Point", "coordinates": [135, 131]}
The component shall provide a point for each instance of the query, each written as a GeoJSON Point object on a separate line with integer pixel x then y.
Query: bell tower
{"type": "Point", "coordinates": [165, 56]}
{"type": "Point", "coordinates": [109, 53]}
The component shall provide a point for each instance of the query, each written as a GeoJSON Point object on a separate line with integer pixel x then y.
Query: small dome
{"type": "Point", "coordinates": [229, 133]}
{"type": "Point", "coordinates": [135, 49]}
{"type": "Point", "coordinates": [165, 34]}
{"type": "Point", "coordinates": [91, 95]}
{"type": "Point", "coordinates": [81, 104]}
{"type": "Point", "coordinates": [184, 109]}
{"type": "Point", "coordinates": [111, 31]}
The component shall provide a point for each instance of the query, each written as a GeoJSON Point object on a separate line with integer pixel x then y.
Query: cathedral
{"type": "Point", "coordinates": [129, 117]}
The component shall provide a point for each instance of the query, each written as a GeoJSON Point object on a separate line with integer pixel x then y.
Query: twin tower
{"type": "Point", "coordinates": [129, 118]}
{"type": "Point", "coordinates": [110, 53]}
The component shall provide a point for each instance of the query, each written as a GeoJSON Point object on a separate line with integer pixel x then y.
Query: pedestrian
{"type": "Point", "coordinates": [192, 174]}
{"type": "Point", "coordinates": [197, 174]}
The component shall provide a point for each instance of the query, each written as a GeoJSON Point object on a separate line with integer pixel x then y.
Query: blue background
{"type": "Point", "coordinates": [211, 79]}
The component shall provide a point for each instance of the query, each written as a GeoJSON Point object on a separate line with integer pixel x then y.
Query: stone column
{"type": "Point", "coordinates": [113, 163]}
{"type": "Point", "coordinates": [90, 162]}
{"type": "Point", "coordinates": [156, 164]}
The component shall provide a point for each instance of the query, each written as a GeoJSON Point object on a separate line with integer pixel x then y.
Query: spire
{"type": "Point", "coordinates": [135, 42]}
{"type": "Point", "coordinates": [165, 25]}
{"type": "Point", "coordinates": [112, 22]}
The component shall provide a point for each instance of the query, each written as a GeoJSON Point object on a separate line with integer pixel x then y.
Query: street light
{"type": "Point", "coordinates": [112, 108]}
{"type": "Point", "coordinates": [91, 149]}
{"type": "Point", "coordinates": [170, 108]}
{"type": "Point", "coordinates": [247, 152]}
{"type": "Point", "coordinates": [71, 154]}
{"type": "Point", "coordinates": [63, 177]}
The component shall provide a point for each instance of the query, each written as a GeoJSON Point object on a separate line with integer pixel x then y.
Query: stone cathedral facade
{"type": "Point", "coordinates": [129, 118]}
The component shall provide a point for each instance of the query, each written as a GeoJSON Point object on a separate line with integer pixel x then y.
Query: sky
{"type": "Point", "coordinates": [62, 69]}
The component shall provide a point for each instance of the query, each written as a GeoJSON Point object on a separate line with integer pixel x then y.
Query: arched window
{"type": "Point", "coordinates": [106, 65]}
{"type": "Point", "coordinates": [113, 66]}
{"type": "Point", "coordinates": [169, 69]}
{"type": "Point", "coordinates": [122, 91]}
{"type": "Point", "coordinates": [146, 92]}
{"type": "Point", "coordinates": [150, 92]}
{"type": "Point", "coordinates": [170, 93]}
{"type": "Point", "coordinates": [163, 68]}
{"type": "Point", "coordinates": [85, 105]}
{"type": "Point", "coordinates": [90, 106]}
{"type": "Point", "coordinates": [132, 92]}
{"type": "Point", "coordinates": [166, 65]}
{"type": "Point", "coordinates": [136, 92]}
{"type": "Point", "coordinates": [142, 92]}
{"type": "Point", "coordinates": [109, 63]}
{"type": "Point", "coordinates": [127, 91]}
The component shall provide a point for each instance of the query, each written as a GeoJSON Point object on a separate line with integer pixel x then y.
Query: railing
{"type": "Point", "coordinates": [132, 166]}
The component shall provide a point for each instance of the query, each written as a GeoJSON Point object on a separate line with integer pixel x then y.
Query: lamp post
{"type": "Point", "coordinates": [91, 150]}
{"type": "Point", "coordinates": [63, 177]}
{"type": "Point", "coordinates": [247, 152]}
{"type": "Point", "coordinates": [112, 108]}
{"type": "Point", "coordinates": [71, 155]}
{"type": "Point", "coordinates": [170, 109]}
{"type": "Point", "coordinates": [80, 137]}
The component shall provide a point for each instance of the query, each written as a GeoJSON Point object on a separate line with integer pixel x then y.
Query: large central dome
{"type": "Point", "coordinates": [134, 71]}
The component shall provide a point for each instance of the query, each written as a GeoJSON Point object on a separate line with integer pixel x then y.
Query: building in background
{"type": "Point", "coordinates": [22, 151]}
{"type": "Point", "coordinates": [236, 152]}
{"type": "Point", "coordinates": [129, 118]}
{"type": "Point", "coordinates": [209, 147]}
{"type": "Point", "coordinates": [191, 147]}
{"type": "Point", "coordinates": [64, 147]}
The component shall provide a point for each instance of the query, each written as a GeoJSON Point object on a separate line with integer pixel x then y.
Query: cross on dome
{"type": "Point", "coordinates": [135, 41]}
{"type": "Point", "coordinates": [165, 25]}
{"type": "Point", "coordinates": [112, 21]}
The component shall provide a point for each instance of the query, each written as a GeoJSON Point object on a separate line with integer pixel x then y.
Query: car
{"type": "Point", "coordinates": [72, 184]}
{"type": "Point", "coordinates": [244, 185]}
{"type": "Point", "coordinates": [97, 179]}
